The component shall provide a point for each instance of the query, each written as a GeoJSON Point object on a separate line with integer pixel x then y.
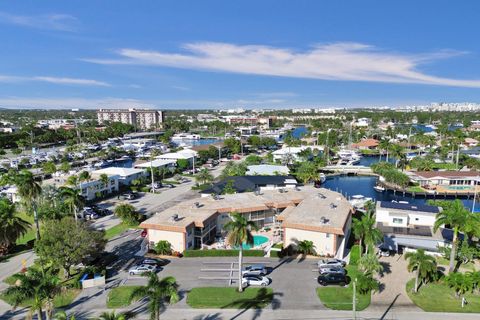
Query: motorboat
{"type": "Point", "coordinates": [101, 164]}
{"type": "Point", "coordinates": [323, 177]}
{"type": "Point", "coordinates": [359, 201]}
{"type": "Point", "coordinates": [379, 188]}
{"type": "Point", "coordinates": [351, 157]}
{"type": "Point", "coordinates": [186, 136]}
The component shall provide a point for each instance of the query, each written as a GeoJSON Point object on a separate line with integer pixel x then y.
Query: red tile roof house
{"type": "Point", "coordinates": [446, 178]}
{"type": "Point", "coordinates": [366, 144]}
{"type": "Point", "coordinates": [469, 142]}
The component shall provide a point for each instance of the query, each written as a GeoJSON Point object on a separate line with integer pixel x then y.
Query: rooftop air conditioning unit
{"type": "Point", "coordinates": [175, 217]}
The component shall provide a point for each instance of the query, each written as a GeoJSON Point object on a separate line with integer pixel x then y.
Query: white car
{"type": "Point", "coordinates": [255, 281]}
{"type": "Point", "coordinates": [331, 263]}
{"type": "Point", "coordinates": [254, 270]}
{"type": "Point", "coordinates": [142, 269]}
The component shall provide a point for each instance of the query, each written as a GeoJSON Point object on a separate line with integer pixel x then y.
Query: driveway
{"type": "Point", "coordinates": [392, 290]}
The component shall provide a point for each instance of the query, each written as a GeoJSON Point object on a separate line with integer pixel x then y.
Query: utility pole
{"type": "Point", "coordinates": [475, 193]}
{"type": "Point", "coordinates": [354, 302]}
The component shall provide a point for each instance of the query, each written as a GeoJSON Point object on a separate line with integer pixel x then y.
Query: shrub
{"type": "Point", "coordinates": [126, 212]}
{"type": "Point", "coordinates": [354, 255]}
{"type": "Point", "coordinates": [222, 253]}
{"type": "Point", "coordinates": [163, 247]}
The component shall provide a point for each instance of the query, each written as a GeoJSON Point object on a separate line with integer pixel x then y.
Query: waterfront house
{"type": "Point", "coordinates": [472, 152]}
{"type": "Point", "coordinates": [292, 154]}
{"type": "Point", "coordinates": [407, 226]}
{"type": "Point", "coordinates": [167, 164]}
{"type": "Point", "coordinates": [447, 181]}
{"type": "Point", "coordinates": [186, 154]}
{"type": "Point", "coordinates": [306, 213]}
{"type": "Point", "coordinates": [366, 144]}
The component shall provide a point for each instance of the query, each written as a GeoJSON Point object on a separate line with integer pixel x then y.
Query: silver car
{"type": "Point", "coordinates": [255, 281]}
{"type": "Point", "coordinates": [142, 269]}
{"type": "Point", "coordinates": [254, 270]}
{"type": "Point", "coordinates": [331, 263]}
{"type": "Point", "coordinates": [336, 270]}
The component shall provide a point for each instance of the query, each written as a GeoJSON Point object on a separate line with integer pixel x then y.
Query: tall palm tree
{"type": "Point", "coordinates": [239, 232]}
{"type": "Point", "coordinates": [158, 292]}
{"type": "Point", "coordinates": [12, 226]}
{"type": "Point", "coordinates": [104, 179]}
{"type": "Point", "coordinates": [369, 264]}
{"type": "Point", "coordinates": [73, 199]}
{"type": "Point", "coordinates": [365, 231]}
{"type": "Point", "coordinates": [457, 217]}
{"type": "Point", "coordinates": [36, 286]}
{"type": "Point", "coordinates": [29, 190]}
{"type": "Point", "coordinates": [384, 146]}
{"type": "Point", "coordinates": [396, 152]}
{"type": "Point", "coordinates": [425, 266]}
{"type": "Point", "coordinates": [84, 176]}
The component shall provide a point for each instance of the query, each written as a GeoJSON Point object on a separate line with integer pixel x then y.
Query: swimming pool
{"type": "Point", "coordinates": [459, 187]}
{"type": "Point", "coordinates": [257, 241]}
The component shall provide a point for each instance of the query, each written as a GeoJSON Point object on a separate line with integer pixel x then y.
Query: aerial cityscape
{"type": "Point", "coordinates": [216, 160]}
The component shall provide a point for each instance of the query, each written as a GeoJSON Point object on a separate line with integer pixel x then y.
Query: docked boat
{"type": "Point", "coordinates": [186, 136]}
{"type": "Point", "coordinates": [101, 164]}
{"type": "Point", "coordinates": [323, 177]}
{"type": "Point", "coordinates": [379, 188]}
{"type": "Point", "coordinates": [349, 155]}
{"type": "Point", "coordinates": [359, 201]}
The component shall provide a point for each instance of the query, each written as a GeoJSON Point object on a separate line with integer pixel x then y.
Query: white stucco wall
{"type": "Point", "coordinates": [176, 239]}
{"type": "Point", "coordinates": [323, 245]}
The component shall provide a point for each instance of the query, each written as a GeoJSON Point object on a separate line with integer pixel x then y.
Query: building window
{"type": "Point", "coordinates": [416, 219]}
{"type": "Point", "coordinates": [397, 220]}
{"type": "Point", "coordinates": [327, 235]}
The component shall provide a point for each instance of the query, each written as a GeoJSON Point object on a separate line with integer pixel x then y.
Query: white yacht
{"type": "Point", "coordinates": [359, 201]}
{"type": "Point", "coordinates": [186, 136]}
{"type": "Point", "coordinates": [348, 157]}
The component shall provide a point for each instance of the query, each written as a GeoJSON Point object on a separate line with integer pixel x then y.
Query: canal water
{"type": "Point", "coordinates": [363, 185]}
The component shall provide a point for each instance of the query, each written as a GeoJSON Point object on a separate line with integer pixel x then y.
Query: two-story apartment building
{"type": "Point", "coordinates": [410, 226]}
{"type": "Point", "coordinates": [94, 187]}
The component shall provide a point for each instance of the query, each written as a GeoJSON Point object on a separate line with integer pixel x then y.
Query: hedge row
{"type": "Point", "coordinates": [222, 253]}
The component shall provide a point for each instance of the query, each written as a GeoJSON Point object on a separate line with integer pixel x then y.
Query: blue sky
{"type": "Point", "coordinates": [211, 54]}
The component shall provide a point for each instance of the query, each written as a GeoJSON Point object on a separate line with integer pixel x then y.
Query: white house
{"type": "Point", "coordinates": [267, 170]}
{"type": "Point", "coordinates": [408, 226]}
{"type": "Point", "coordinates": [126, 175]}
{"type": "Point", "coordinates": [186, 154]}
{"type": "Point", "coordinates": [157, 164]}
{"type": "Point", "coordinates": [11, 193]}
{"type": "Point", "coordinates": [292, 152]}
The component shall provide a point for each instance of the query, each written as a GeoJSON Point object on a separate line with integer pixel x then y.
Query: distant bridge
{"type": "Point", "coordinates": [349, 169]}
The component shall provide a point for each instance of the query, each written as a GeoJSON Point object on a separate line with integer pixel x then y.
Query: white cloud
{"type": "Point", "coordinates": [61, 22]}
{"type": "Point", "coordinates": [68, 103]}
{"type": "Point", "coordinates": [337, 61]}
{"type": "Point", "coordinates": [55, 80]}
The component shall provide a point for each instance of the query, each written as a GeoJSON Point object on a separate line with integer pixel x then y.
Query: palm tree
{"type": "Point", "coordinates": [104, 179]}
{"type": "Point", "coordinates": [457, 217]}
{"type": "Point", "coordinates": [112, 316]}
{"type": "Point", "coordinates": [73, 199]}
{"type": "Point", "coordinates": [204, 176]}
{"type": "Point", "coordinates": [369, 264]}
{"type": "Point", "coordinates": [384, 146]}
{"type": "Point", "coordinates": [36, 286]}
{"type": "Point", "coordinates": [459, 282]}
{"type": "Point", "coordinates": [158, 292]}
{"type": "Point", "coordinates": [425, 265]}
{"type": "Point", "coordinates": [73, 181]}
{"type": "Point", "coordinates": [396, 152]}
{"type": "Point", "coordinates": [12, 226]}
{"type": "Point", "coordinates": [239, 232]}
{"type": "Point", "coordinates": [306, 247]}
{"type": "Point", "coordinates": [84, 176]}
{"type": "Point", "coordinates": [62, 315]}
{"type": "Point", "coordinates": [365, 231]}
{"type": "Point", "coordinates": [29, 190]}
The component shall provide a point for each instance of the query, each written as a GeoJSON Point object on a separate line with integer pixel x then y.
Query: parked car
{"type": "Point", "coordinates": [168, 185]}
{"type": "Point", "coordinates": [254, 270]}
{"type": "Point", "coordinates": [332, 278]}
{"type": "Point", "coordinates": [255, 281]}
{"type": "Point", "coordinates": [331, 263]}
{"type": "Point", "coordinates": [142, 269]}
{"type": "Point", "coordinates": [129, 196]}
{"type": "Point", "coordinates": [155, 262]}
{"type": "Point", "coordinates": [384, 252]}
{"type": "Point", "coordinates": [336, 270]}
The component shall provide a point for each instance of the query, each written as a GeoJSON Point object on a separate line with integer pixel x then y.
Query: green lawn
{"type": "Point", "coordinates": [30, 235]}
{"type": "Point", "coordinates": [445, 262]}
{"type": "Point", "coordinates": [340, 298]}
{"type": "Point", "coordinates": [62, 300]}
{"type": "Point", "coordinates": [438, 297]}
{"type": "Point", "coordinates": [415, 189]}
{"type": "Point", "coordinates": [120, 296]}
{"type": "Point", "coordinates": [218, 297]}
{"type": "Point", "coordinates": [116, 230]}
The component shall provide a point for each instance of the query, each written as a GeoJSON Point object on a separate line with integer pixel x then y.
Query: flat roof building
{"type": "Point", "coordinates": [305, 213]}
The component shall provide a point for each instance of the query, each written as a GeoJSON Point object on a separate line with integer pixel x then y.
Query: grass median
{"type": "Point", "coordinates": [230, 298]}
{"type": "Point", "coordinates": [120, 296]}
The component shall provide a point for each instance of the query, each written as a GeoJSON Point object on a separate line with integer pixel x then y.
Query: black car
{"type": "Point", "coordinates": [332, 278]}
{"type": "Point", "coordinates": [155, 262]}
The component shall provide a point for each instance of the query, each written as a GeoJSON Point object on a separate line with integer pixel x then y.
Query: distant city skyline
{"type": "Point", "coordinates": [217, 54]}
